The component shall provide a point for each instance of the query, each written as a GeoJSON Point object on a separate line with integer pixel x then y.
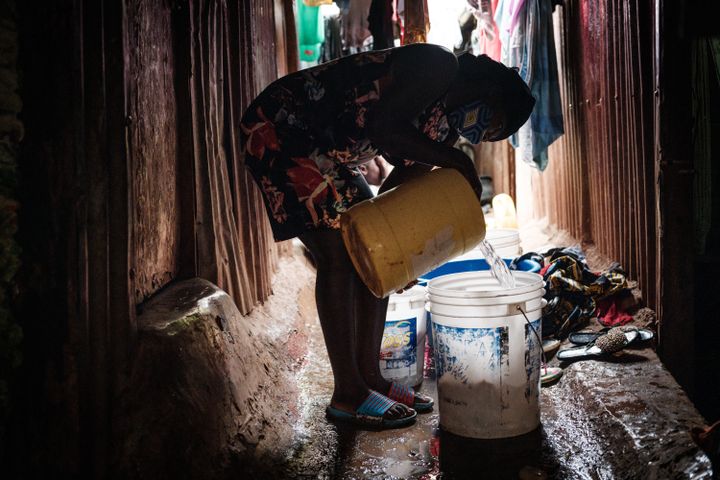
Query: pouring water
{"type": "Point", "coordinates": [498, 267]}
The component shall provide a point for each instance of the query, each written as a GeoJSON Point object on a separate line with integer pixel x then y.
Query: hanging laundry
{"type": "Point", "coordinates": [417, 22]}
{"type": "Point", "coordinates": [355, 24]}
{"type": "Point", "coordinates": [310, 31]}
{"type": "Point", "coordinates": [332, 46]}
{"type": "Point", "coordinates": [380, 24]}
{"type": "Point", "coordinates": [527, 43]}
{"type": "Point", "coordinates": [467, 23]}
{"type": "Point", "coordinates": [398, 16]}
{"type": "Point", "coordinates": [488, 33]}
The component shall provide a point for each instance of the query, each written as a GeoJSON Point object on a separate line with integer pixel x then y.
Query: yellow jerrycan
{"type": "Point", "coordinates": [405, 232]}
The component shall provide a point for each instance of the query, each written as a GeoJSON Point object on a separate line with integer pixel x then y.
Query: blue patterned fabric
{"type": "Point", "coordinates": [471, 121]}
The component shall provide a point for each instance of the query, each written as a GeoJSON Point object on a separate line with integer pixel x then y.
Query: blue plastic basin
{"type": "Point", "coordinates": [473, 266]}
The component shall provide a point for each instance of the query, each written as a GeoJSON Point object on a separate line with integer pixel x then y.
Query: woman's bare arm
{"type": "Point", "coordinates": [420, 74]}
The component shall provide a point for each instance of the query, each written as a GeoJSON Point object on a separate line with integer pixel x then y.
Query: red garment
{"type": "Point", "coordinates": [544, 269]}
{"type": "Point", "coordinates": [610, 314]}
{"type": "Point", "coordinates": [489, 47]}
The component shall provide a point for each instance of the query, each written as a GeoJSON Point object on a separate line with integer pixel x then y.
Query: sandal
{"type": "Point", "coordinates": [549, 345]}
{"type": "Point", "coordinates": [549, 375]}
{"type": "Point", "coordinates": [613, 341]}
{"type": "Point", "coordinates": [583, 338]}
{"type": "Point", "coordinates": [406, 396]}
{"type": "Point", "coordinates": [370, 413]}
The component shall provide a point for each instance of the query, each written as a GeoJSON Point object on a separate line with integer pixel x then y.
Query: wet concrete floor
{"type": "Point", "coordinates": [624, 418]}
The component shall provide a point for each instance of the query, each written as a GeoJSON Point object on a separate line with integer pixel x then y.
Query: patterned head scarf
{"type": "Point", "coordinates": [494, 78]}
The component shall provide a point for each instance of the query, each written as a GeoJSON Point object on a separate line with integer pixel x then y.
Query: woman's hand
{"type": "Point", "coordinates": [408, 286]}
{"type": "Point", "coordinates": [463, 164]}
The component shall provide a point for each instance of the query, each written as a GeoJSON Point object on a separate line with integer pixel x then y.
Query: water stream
{"type": "Point", "coordinates": [498, 267]}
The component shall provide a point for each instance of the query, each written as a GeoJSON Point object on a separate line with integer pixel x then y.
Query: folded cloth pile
{"type": "Point", "coordinates": [575, 293]}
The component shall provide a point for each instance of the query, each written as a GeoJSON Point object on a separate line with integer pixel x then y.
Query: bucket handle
{"type": "Point", "coordinates": [543, 359]}
{"type": "Point", "coordinates": [513, 308]}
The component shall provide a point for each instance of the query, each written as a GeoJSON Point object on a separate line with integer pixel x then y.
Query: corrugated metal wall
{"type": "Point", "coordinates": [599, 185]}
{"type": "Point", "coordinates": [190, 72]}
{"type": "Point", "coordinates": [132, 176]}
{"type": "Point", "coordinates": [229, 59]}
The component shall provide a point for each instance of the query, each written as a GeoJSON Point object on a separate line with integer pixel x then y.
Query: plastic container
{"type": "Point", "coordinates": [487, 358]}
{"type": "Point", "coordinates": [474, 265]}
{"type": "Point", "coordinates": [402, 353]}
{"type": "Point", "coordinates": [504, 213]}
{"type": "Point", "coordinates": [506, 243]}
{"type": "Point", "coordinates": [404, 233]}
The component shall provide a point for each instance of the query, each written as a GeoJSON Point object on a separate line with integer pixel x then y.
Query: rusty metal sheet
{"type": "Point", "coordinates": [599, 185]}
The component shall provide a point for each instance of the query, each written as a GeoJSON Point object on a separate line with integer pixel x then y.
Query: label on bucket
{"type": "Point", "coordinates": [398, 353]}
{"type": "Point", "coordinates": [532, 360]}
{"type": "Point", "coordinates": [471, 355]}
{"type": "Point", "coordinates": [488, 378]}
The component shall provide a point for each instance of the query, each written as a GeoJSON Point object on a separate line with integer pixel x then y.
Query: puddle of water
{"type": "Point", "coordinates": [317, 441]}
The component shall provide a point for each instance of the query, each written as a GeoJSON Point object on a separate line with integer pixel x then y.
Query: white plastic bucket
{"type": "Point", "coordinates": [505, 241]}
{"type": "Point", "coordinates": [402, 354]}
{"type": "Point", "coordinates": [487, 358]}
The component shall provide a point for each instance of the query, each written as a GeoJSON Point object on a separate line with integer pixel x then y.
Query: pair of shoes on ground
{"type": "Point", "coordinates": [371, 412]}
{"type": "Point", "coordinates": [597, 344]}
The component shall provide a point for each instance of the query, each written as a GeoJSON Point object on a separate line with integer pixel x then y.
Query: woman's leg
{"type": "Point", "coordinates": [336, 297]}
{"type": "Point", "coordinates": [370, 315]}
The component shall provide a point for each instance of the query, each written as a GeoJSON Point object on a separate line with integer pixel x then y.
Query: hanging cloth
{"type": "Point", "coordinates": [332, 46]}
{"type": "Point", "coordinates": [380, 23]}
{"type": "Point", "coordinates": [527, 43]}
{"type": "Point", "coordinates": [355, 24]}
{"type": "Point", "coordinates": [488, 32]}
{"type": "Point", "coordinates": [417, 22]}
{"type": "Point", "coordinates": [310, 30]}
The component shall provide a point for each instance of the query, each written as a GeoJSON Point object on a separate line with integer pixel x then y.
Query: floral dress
{"type": "Point", "coordinates": [304, 138]}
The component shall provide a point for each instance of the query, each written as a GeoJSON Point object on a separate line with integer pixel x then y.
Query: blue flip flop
{"type": "Point", "coordinates": [370, 413]}
{"type": "Point", "coordinates": [406, 396]}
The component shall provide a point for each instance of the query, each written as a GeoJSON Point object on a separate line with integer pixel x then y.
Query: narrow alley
{"type": "Point", "coordinates": [359, 239]}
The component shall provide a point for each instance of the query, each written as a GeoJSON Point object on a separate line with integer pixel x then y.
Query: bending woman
{"type": "Point", "coordinates": [305, 136]}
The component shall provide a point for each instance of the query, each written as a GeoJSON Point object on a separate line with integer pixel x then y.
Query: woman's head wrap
{"type": "Point", "coordinates": [495, 79]}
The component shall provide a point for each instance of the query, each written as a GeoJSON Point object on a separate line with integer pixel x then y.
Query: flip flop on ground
{"type": "Point", "coordinates": [585, 337]}
{"type": "Point", "coordinates": [613, 341]}
{"type": "Point", "coordinates": [371, 413]}
{"type": "Point", "coordinates": [550, 344]}
{"type": "Point", "coordinates": [407, 396]}
{"type": "Point", "coordinates": [549, 375]}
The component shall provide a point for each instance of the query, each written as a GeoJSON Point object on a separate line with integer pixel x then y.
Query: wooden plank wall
{"type": "Point", "coordinates": [191, 71]}
{"type": "Point", "coordinates": [599, 184]}
{"type": "Point", "coordinates": [132, 176]}
{"type": "Point", "coordinates": [152, 135]}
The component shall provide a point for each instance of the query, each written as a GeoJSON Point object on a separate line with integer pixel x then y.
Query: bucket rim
{"type": "Point", "coordinates": [519, 317]}
{"type": "Point", "coordinates": [443, 285]}
{"type": "Point", "coordinates": [483, 301]}
{"type": "Point", "coordinates": [503, 236]}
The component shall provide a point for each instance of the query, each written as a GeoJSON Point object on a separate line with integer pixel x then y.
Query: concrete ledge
{"type": "Point", "coordinates": [623, 418]}
{"type": "Point", "coordinates": [211, 393]}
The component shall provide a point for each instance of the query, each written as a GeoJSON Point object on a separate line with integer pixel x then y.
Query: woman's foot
{"type": "Point", "coordinates": [405, 395]}
{"type": "Point", "coordinates": [375, 410]}
{"type": "Point", "coordinates": [351, 403]}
